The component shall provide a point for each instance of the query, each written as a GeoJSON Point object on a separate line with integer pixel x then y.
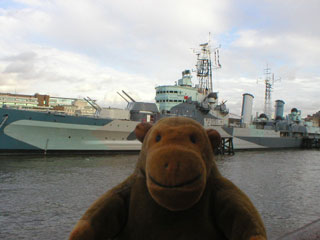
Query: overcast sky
{"type": "Point", "coordinates": [79, 48]}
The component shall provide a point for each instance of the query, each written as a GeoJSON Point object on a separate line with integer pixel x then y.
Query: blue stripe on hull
{"type": "Point", "coordinates": [15, 115]}
{"type": "Point", "coordinates": [9, 143]}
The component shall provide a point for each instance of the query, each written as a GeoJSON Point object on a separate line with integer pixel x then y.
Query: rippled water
{"type": "Point", "coordinates": [42, 198]}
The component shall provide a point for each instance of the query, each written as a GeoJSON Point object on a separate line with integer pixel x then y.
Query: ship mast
{"type": "Point", "coordinates": [269, 82]}
{"type": "Point", "coordinates": [205, 65]}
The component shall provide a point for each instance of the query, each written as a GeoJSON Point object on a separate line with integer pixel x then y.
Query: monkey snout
{"type": "Point", "coordinates": [171, 168]}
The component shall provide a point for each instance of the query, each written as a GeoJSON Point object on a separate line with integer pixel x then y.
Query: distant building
{"type": "Point", "coordinates": [19, 100]}
{"type": "Point", "coordinates": [38, 102]}
{"type": "Point", "coordinates": [314, 118]}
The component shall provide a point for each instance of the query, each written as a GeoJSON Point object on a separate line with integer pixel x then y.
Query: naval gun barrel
{"type": "Point", "coordinates": [123, 97]}
{"type": "Point", "coordinates": [93, 104]}
{"type": "Point", "coordinates": [128, 96]}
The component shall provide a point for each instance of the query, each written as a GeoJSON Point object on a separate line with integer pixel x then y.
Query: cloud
{"type": "Point", "coordinates": [60, 73]}
{"type": "Point", "coordinates": [24, 57]}
{"type": "Point", "coordinates": [20, 64]}
{"type": "Point", "coordinates": [296, 49]}
{"type": "Point", "coordinates": [85, 48]}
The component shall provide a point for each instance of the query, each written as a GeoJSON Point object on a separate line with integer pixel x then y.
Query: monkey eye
{"type": "Point", "coordinates": [192, 138]}
{"type": "Point", "coordinates": [158, 138]}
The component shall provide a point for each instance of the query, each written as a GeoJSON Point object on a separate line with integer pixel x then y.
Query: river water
{"type": "Point", "coordinates": [43, 197]}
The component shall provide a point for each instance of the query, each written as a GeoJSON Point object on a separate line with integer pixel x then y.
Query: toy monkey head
{"type": "Point", "coordinates": [176, 159]}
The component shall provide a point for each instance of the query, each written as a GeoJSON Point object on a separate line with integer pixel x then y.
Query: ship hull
{"type": "Point", "coordinates": [38, 132]}
{"type": "Point", "coordinates": [249, 138]}
{"type": "Point", "coordinates": [25, 132]}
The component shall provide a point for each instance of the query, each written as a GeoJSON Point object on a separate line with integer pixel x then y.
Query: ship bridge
{"type": "Point", "coordinates": [168, 96]}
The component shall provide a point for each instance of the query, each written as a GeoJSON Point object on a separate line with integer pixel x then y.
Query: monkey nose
{"type": "Point", "coordinates": [171, 166]}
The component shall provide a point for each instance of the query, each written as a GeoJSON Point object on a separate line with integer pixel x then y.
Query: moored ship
{"type": "Point", "coordinates": [112, 130]}
{"type": "Point", "coordinates": [27, 131]}
{"type": "Point", "coordinates": [201, 103]}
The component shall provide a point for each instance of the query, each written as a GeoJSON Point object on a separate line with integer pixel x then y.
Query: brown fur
{"type": "Point", "coordinates": [175, 192]}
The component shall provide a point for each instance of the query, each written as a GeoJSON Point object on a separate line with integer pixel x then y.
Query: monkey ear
{"type": "Point", "coordinates": [215, 139]}
{"type": "Point", "coordinates": [141, 130]}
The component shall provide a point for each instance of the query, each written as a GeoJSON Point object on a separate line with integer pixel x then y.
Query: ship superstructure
{"type": "Point", "coordinates": [197, 101]}
{"type": "Point", "coordinates": [201, 103]}
{"type": "Point", "coordinates": [168, 96]}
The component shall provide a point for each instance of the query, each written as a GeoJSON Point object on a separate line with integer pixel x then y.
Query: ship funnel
{"type": "Point", "coordinates": [246, 111]}
{"type": "Point", "coordinates": [279, 107]}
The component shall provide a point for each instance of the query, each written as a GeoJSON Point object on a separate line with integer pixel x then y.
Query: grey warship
{"type": "Point", "coordinates": [112, 130]}
{"type": "Point", "coordinates": [201, 103]}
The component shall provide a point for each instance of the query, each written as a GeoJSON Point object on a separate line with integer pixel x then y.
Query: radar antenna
{"type": "Point", "coordinates": [269, 82]}
{"type": "Point", "coordinates": [205, 65]}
